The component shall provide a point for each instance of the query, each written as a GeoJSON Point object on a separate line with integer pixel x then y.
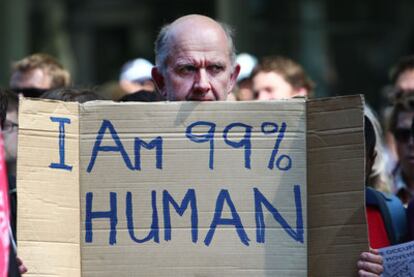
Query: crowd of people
{"type": "Point", "coordinates": [195, 60]}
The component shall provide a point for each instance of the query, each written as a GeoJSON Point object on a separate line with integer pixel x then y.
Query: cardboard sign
{"type": "Point", "coordinates": [398, 260]}
{"type": "Point", "coordinates": [192, 189]}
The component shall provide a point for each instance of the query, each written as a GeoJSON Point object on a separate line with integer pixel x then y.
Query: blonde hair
{"type": "Point", "coordinates": [58, 75]}
{"type": "Point", "coordinates": [379, 179]}
{"type": "Point", "coordinates": [291, 71]}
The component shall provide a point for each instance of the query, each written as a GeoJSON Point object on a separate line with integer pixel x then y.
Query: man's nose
{"type": "Point", "coordinates": [202, 82]}
{"type": "Point", "coordinates": [263, 95]}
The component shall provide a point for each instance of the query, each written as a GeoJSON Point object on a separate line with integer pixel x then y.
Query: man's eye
{"type": "Point", "coordinates": [215, 68]}
{"type": "Point", "coordinates": [187, 69]}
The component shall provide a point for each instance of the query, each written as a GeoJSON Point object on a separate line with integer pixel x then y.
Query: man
{"type": "Point", "coordinates": [37, 73]}
{"type": "Point", "coordinates": [278, 77]}
{"type": "Point", "coordinates": [15, 264]}
{"type": "Point", "coordinates": [10, 132]}
{"type": "Point", "coordinates": [195, 60]}
{"type": "Point", "coordinates": [402, 79]}
{"type": "Point", "coordinates": [402, 74]}
{"type": "Point", "coordinates": [136, 75]}
{"type": "Point", "coordinates": [244, 90]}
{"type": "Point", "coordinates": [400, 126]}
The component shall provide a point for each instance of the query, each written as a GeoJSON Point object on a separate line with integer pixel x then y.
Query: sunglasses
{"type": "Point", "coordinates": [29, 92]}
{"type": "Point", "coordinates": [9, 126]}
{"type": "Point", "coordinates": [403, 135]}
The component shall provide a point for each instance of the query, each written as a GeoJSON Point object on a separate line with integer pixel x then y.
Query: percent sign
{"type": "Point", "coordinates": [272, 128]}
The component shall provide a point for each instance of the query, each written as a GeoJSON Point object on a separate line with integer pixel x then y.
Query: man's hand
{"type": "Point", "coordinates": [370, 264]}
{"type": "Point", "coordinates": [22, 267]}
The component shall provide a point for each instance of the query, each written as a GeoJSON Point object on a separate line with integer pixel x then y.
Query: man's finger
{"type": "Point", "coordinates": [363, 273]}
{"type": "Point", "coordinates": [374, 268]}
{"type": "Point", "coordinates": [22, 267]}
{"type": "Point", "coordinates": [372, 257]}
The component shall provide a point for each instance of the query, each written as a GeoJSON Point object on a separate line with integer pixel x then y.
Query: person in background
{"type": "Point", "coordinates": [400, 123]}
{"type": "Point", "coordinates": [382, 210]}
{"type": "Point", "coordinates": [244, 91]}
{"type": "Point", "coordinates": [402, 81]}
{"type": "Point", "coordinates": [380, 177]}
{"type": "Point", "coordinates": [37, 73]}
{"type": "Point", "coordinates": [386, 215]}
{"type": "Point", "coordinates": [15, 267]}
{"type": "Point", "coordinates": [278, 77]}
{"type": "Point", "coordinates": [142, 96]}
{"type": "Point", "coordinates": [136, 75]}
{"type": "Point", "coordinates": [72, 95]}
{"type": "Point", "coordinates": [9, 132]}
{"type": "Point", "coordinates": [402, 73]}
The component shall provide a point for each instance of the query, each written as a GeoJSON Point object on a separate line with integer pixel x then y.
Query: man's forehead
{"type": "Point", "coordinates": [406, 80]}
{"type": "Point", "coordinates": [199, 40]}
{"type": "Point", "coordinates": [32, 78]}
{"type": "Point", "coordinates": [199, 56]}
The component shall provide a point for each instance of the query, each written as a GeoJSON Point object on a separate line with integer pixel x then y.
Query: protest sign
{"type": "Point", "coordinates": [192, 189]}
{"type": "Point", "coordinates": [398, 260]}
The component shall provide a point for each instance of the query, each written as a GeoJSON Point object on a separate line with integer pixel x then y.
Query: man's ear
{"type": "Point", "coordinates": [158, 80]}
{"type": "Point", "coordinates": [233, 78]}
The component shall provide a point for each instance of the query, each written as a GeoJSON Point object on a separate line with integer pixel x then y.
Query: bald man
{"type": "Point", "coordinates": [195, 60]}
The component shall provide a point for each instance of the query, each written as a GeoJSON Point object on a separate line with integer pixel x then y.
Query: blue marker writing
{"type": "Point", "coordinates": [61, 165]}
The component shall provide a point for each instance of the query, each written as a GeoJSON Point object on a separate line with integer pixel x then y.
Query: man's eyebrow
{"type": "Point", "coordinates": [184, 61]}
{"type": "Point", "coordinates": [180, 64]}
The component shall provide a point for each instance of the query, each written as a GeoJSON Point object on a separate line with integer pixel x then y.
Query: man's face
{"type": "Point", "coordinates": [245, 91]}
{"type": "Point", "coordinates": [198, 68]}
{"type": "Point", "coordinates": [405, 143]}
{"type": "Point", "coordinates": [406, 80]}
{"type": "Point", "coordinates": [10, 136]}
{"type": "Point", "coordinates": [131, 87]}
{"type": "Point", "coordinates": [272, 86]}
{"type": "Point", "coordinates": [35, 78]}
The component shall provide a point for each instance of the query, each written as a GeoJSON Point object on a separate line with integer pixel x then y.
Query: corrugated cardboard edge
{"type": "Point", "coordinates": [337, 231]}
{"type": "Point", "coordinates": [46, 251]}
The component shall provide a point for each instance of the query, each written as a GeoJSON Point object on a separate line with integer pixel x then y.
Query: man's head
{"type": "Point", "coordinates": [278, 77]}
{"type": "Point", "coordinates": [10, 129]}
{"type": "Point", "coordinates": [38, 72]}
{"type": "Point", "coordinates": [244, 91]}
{"type": "Point", "coordinates": [195, 60]}
{"type": "Point", "coordinates": [136, 75]}
{"type": "Point", "coordinates": [401, 126]}
{"type": "Point", "coordinates": [72, 95]}
{"type": "Point", "coordinates": [402, 74]}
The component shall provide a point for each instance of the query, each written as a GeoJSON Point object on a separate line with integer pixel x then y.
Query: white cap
{"type": "Point", "coordinates": [137, 70]}
{"type": "Point", "coordinates": [247, 62]}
